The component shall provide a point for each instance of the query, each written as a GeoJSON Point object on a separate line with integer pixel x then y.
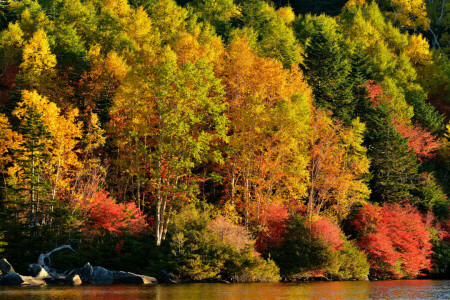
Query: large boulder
{"type": "Point", "coordinates": [98, 275]}
{"type": "Point", "coordinates": [5, 267]}
{"type": "Point", "coordinates": [166, 277]}
{"type": "Point", "coordinates": [131, 278]}
{"type": "Point", "coordinates": [15, 279]}
{"type": "Point", "coordinates": [12, 278]}
{"type": "Point", "coordinates": [37, 271]}
{"type": "Point", "coordinates": [95, 275]}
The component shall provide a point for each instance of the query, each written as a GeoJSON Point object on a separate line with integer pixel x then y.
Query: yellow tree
{"type": "Point", "coordinates": [38, 63]}
{"type": "Point", "coordinates": [9, 140]}
{"type": "Point", "coordinates": [65, 132]}
{"type": "Point", "coordinates": [268, 112]}
{"type": "Point", "coordinates": [338, 166]}
{"type": "Point", "coordinates": [409, 14]}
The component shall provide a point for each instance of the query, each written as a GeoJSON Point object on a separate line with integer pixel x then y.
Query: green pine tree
{"type": "Point", "coordinates": [328, 73]}
{"type": "Point", "coordinates": [394, 167]}
{"type": "Point", "coordinates": [31, 190]}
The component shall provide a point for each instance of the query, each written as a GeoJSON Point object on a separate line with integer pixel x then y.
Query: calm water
{"type": "Point", "coordinates": [402, 289]}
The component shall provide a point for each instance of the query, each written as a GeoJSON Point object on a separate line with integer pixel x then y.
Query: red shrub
{"type": "Point", "coordinates": [328, 232]}
{"type": "Point", "coordinates": [273, 228]}
{"type": "Point", "coordinates": [395, 238]}
{"type": "Point", "coordinates": [103, 214]}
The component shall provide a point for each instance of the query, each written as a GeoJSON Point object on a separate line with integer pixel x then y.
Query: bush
{"type": "Point", "coordinates": [319, 249]}
{"type": "Point", "coordinates": [352, 262]}
{"type": "Point", "coordinates": [302, 255]}
{"type": "Point", "coordinates": [207, 247]}
{"type": "Point", "coordinates": [396, 240]}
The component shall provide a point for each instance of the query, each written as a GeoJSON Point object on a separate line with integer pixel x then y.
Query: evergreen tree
{"type": "Point", "coordinates": [31, 188]}
{"type": "Point", "coordinates": [360, 68]}
{"type": "Point", "coordinates": [328, 74]}
{"type": "Point", "coordinates": [359, 76]}
{"type": "Point", "coordinates": [424, 113]}
{"type": "Point", "coordinates": [394, 166]}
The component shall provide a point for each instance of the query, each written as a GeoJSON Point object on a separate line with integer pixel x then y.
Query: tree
{"type": "Point", "coordinates": [338, 166]}
{"type": "Point", "coordinates": [101, 214]}
{"type": "Point", "coordinates": [425, 113]}
{"type": "Point", "coordinates": [408, 14]}
{"type": "Point", "coordinates": [394, 166]}
{"type": "Point", "coordinates": [423, 143]}
{"type": "Point", "coordinates": [176, 121]}
{"type": "Point", "coordinates": [274, 37]}
{"type": "Point", "coordinates": [269, 111]}
{"type": "Point", "coordinates": [38, 63]}
{"type": "Point", "coordinates": [328, 70]}
{"type": "Point", "coordinates": [9, 139]}
{"type": "Point", "coordinates": [395, 239]}
{"type": "Point", "coordinates": [31, 197]}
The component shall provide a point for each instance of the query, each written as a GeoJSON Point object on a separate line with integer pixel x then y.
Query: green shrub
{"type": "Point", "coordinates": [351, 262]}
{"type": "Point", "coordinates": [303, 254]}
{"type": "Point", "coordinates": [204, 246]}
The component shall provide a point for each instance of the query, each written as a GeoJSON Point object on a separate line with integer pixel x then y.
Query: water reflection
{"type": "Point", "coordinates": [401, 289]}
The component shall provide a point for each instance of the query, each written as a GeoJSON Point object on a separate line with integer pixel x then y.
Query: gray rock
{"type": "Point", "coordinates": [85, 272]}
{"type": "Point", "coordinates": [131, 278]}
{"type": "Point", "coordinates": [101, 275]}
{"type": "Point", "coordinates": [37, 271]}
{"type": "Point", "coordinates": [98, 275]}
{"type": "Point", "coordinates": [95, 275]}
{"type": "Point", "coordinates": [5, 267]}
{"type": "Point", "coordinates": [364, 278]}
{"type": "Point", "coordinates": [11, 278]}
{"type": "Point", "coordinates": [166, 277]}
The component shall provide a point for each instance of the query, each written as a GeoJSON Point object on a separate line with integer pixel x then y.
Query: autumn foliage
{"type": "Point", "coordinates": [273, 228]}
{"type": "Point", "coordinates": [327, 231]}
{"type": "Point", "coordinates": [209, 137]}
{"type": "Point", "coordinates": [396, 240]}
{"type": "Point", "coordinates": [104, 215]}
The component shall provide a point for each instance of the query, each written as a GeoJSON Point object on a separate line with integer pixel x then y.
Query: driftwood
{"type": "Point", "coordinates": [46, 257]}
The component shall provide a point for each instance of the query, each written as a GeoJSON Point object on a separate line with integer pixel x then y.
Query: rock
{"type": "Point", "coordinates": [38, 271]}
{"type": "Point", "coordinates": [95, 275]}
{"type": "Point", "coordinates": [99, 275]}
{"type": "Point", "coordinates": [29, 280]}
{"type": "Point", "coordinates": [74, 280]}
{"type": "Point", "coordinates": [56, 280]}
{"type": "Point", "coordinates": [11, 278]}
{"type": "Point", "coordinates": [131, 278]}
{"type": "Point", "coordinates": [5, 267]}
{"type": "Point", "coordinates": [166, 277]}
{"type": "Point", "coordinates": [85, 273]}
{"type": "Point", "coordinates": [364, 278]}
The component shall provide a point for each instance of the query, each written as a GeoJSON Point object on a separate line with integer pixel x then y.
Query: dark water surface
{"type": "Point", "coordinates": [400, 289]}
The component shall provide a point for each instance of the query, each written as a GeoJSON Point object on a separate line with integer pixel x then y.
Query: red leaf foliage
{"type": "Point", "coordinates": [422, 142]}
{"type": "Point", "coordinates": [103, 214]}
{"type": "Point", "coordinates": [374, 92]}
{"type": "Point", "coordinates": [274, 228]}
{"type": "Point", "coordinates": [328, 232]}
{"type": "Point", "coordinates": [395, 238]}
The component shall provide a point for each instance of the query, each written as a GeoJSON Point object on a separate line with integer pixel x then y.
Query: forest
{"type": "Point", "coordinates": [244, 140]}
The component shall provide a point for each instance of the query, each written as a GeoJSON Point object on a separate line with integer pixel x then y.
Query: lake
{"type": "Point", "coordinates": [395, 289]}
